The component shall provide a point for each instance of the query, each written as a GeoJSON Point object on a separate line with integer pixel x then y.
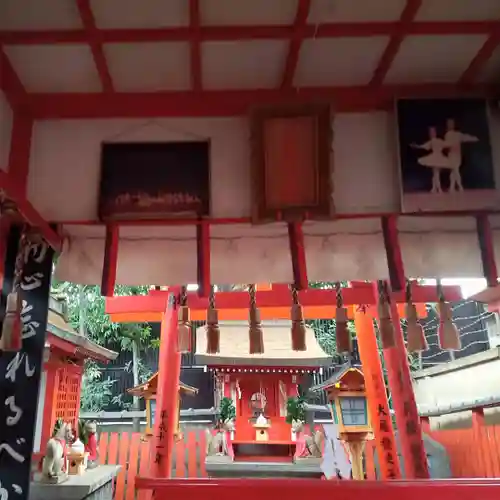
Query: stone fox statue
{"type": "Point", "coordinates": [218, 444]}
{"type": "Point", "coordinates": [54, 462]}
{"type": "Point", "coordinates": [312, 445]}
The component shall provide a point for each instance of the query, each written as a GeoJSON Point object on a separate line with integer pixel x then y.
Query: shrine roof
{"type": "Point", "coordinates": [219, 57]}
{"type": "Point", "coordinates": [336, 377]}
{"type": "Point", "coordinates": [150, 387]}
{"type": "Point", "coordinates": [234, 347]}
{"type": "Point", "coordinates": [60, 329]}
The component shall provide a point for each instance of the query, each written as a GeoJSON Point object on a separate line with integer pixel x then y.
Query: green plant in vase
{"type": "Point", "coordinates": [296, 409]}
{"type": "Point", "coordinates": [227, 410]}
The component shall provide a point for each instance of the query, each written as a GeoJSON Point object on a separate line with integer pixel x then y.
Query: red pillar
{"type": "Point", "coordinates": [167, 393]}
{"type": "Point", "coordinates": [405, 406]}
{"type": "Point", "coordinates": [376, 395]}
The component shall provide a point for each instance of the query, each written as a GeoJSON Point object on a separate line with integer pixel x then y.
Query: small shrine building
{"type": "Point", "coordinates": [260, 384]}
{"type": "Point", "coordinates": [63, 362]}
{"type": "Point", "coordinates": [148, 391]}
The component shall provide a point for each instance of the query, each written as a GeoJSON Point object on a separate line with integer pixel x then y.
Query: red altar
{"type": "Point", "coordinates": [260, 384]}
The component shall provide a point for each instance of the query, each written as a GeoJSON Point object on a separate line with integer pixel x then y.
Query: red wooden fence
{"type": "Point", "coordinates": [131, 451]}
{"type": "Point", "coordinates": [474, 453]}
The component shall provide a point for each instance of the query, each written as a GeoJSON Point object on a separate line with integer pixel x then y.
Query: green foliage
{"type": "Point", "coordinates": [296, 409]}
{"type": "Point", "coordinates": [227, 410]}
{"type": "Point", "coordinates": [325, 329]}
{"type": "Point", "coordinates": [86, 313]}
{"type": "Point", "coordinates": [95, 392]}
{"type": "Point", "coordinates": [82, 432]}
{"type": "Point", "coordinates": [144, 372]}
{"type": "Point", "coordinates": [87, 306]}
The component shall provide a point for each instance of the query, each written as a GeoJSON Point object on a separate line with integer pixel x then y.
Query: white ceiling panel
{"type": "Point", "coordinates": [243, 65]}
{"type": "Point", "coordinates": [423, 59]}
{"type": "Point", "coordinates": [247, 12]}
{"type": "Point", "coordinates": [39, 15]}
{"type": "Point", "coordinates": [149, 67]}
{"type": "Point", "coordinates": [140, 13]}
{"type": "Point", "coordinates": [458, 10]}
{"type": "Point", "coordinates": [55, 68]}
{"type": "Point", "coordinates": [331, 11]}
{"type": "Point", "coordinates": [338, 61]}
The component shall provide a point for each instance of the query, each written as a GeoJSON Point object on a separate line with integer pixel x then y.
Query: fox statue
{"type": "Point", "coordinates": [54, 462]}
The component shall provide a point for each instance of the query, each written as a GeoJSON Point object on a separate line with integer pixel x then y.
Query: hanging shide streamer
{"type": "Point", "coordinates": [256, 336]}
{"type": "Point", "coordinates": [298, 326]}
{"type": "Point", "coordinates": [449, 337]}
{"type": "Point", "coordinates": [342, 334]}
{"type": "Point", "coordinates": [415, 336]}
{"type": "Point", "coordinates": [386, 327]}
{"type": "Point", "coordinates": [213, 330]}
{"type": "Point", "coordinates": [184, 324]}
{"type": "Point", "coordinates": [12, 340]}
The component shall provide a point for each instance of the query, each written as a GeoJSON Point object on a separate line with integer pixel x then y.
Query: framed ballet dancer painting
{"type": "Point", "coordinates": [445, 157]}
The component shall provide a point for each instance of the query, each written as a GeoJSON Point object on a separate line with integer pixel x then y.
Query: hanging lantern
{"type": "Point", "coordinates": [12, 339]}
{"type": "Point", "coordinates": [342, 334]}
{"type": "Point", "coordinates": [255, 333]}
{"type": "Point", "coordinates": [184, 324]}
{"type": "Point", "coordinates": [449, 337]}
{"type": "Point", "coordinates": [386, 327]}
{"type": "Point", "coordinates": [416, 341]}
{"type": "Point", "coordinates": [298, 326]}
{"type": "Point", "coordinates": [212, 328]}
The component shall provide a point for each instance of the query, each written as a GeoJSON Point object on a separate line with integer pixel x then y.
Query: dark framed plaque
{"type": "Point", "coordinates": [445, 156]}
{"type": "Point", "coordinates": [155, 180]}
{"type": "Point", "coordinates": [292, 162]}
{"type": "Point", "coordinates": [20, 372]}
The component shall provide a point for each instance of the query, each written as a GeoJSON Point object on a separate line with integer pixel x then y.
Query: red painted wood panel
{"type": "Point", "coordinates": [123, 450]}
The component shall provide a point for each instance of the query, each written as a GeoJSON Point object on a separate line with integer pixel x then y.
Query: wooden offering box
{"type": "Point", "coordinates": [291, 162]}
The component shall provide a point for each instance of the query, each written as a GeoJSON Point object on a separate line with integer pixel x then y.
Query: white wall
{"type": "Point", "coordinates": [5, 131]}
{"type": "Point", "coordinates": [64, 180]}
{"type": "Point", "coordinates": [460, 382]}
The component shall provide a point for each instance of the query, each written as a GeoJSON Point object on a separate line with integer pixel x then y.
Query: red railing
{"type": "Point", "coordinates": [298, 489]}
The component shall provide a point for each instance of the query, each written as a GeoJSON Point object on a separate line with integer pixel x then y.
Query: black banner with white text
{"type": "Point", "coordinates": [20, 372]}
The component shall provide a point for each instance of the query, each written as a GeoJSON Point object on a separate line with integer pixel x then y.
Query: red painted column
{"type": "Point", "coordinates": [167, 394]}
{"type": "Point", "coordinates": [404, 404]}
{"type": "Point", "coordinates": [227, 385]}
{"type": "Point", "coordinates": [376, 396]}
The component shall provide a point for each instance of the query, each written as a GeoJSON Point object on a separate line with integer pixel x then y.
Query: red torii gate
{"type": "Point", "coordinates": [161, 305]}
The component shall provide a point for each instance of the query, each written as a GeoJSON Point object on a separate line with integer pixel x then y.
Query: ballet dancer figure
{"type": "Point", "coordinates": [435, 159]}
{"type": "Point", "coordinates": [454, 139]}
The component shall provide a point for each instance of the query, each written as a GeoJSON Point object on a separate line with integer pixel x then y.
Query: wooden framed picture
{"type": "Point", "coordinates": [445, 156]}
{"type": "Point", "coordinates": [155, 180]}
{"type": "Point", "coordinates": [291, 162]}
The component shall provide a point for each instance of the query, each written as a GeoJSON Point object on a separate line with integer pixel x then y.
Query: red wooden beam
{"type": "Point", "coordinates": [299, 28]}
{"type": "Point", "coordinates": [485, 239]}
{"type": "Point", "coordinates": [392, 49]}
{"type": "Point", "coordinates": [110, 260]}
{"type": "Point", "coordinates": [28, 212]}
{"type": "Point", "coordinates": [234, 33]}
{"type": "Point", "coordinates": [298, 255]}
{"type": "Point", "coordinates": [92, 35]}
{"type": "Point", "coordinates": [231, 102]}
{"type": "Point", "coordinates": [481, 58]}
{"type": "Point", "coordinates": [10, 84]}
{"type": "Point", "coordinates": [363, 294]}
{"type": "Point", "coordinates": [195, 45]}
{"type": "Point", "coordinates": [393, 253]}
{"type": "Point", "coordinates": [203, 259]}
